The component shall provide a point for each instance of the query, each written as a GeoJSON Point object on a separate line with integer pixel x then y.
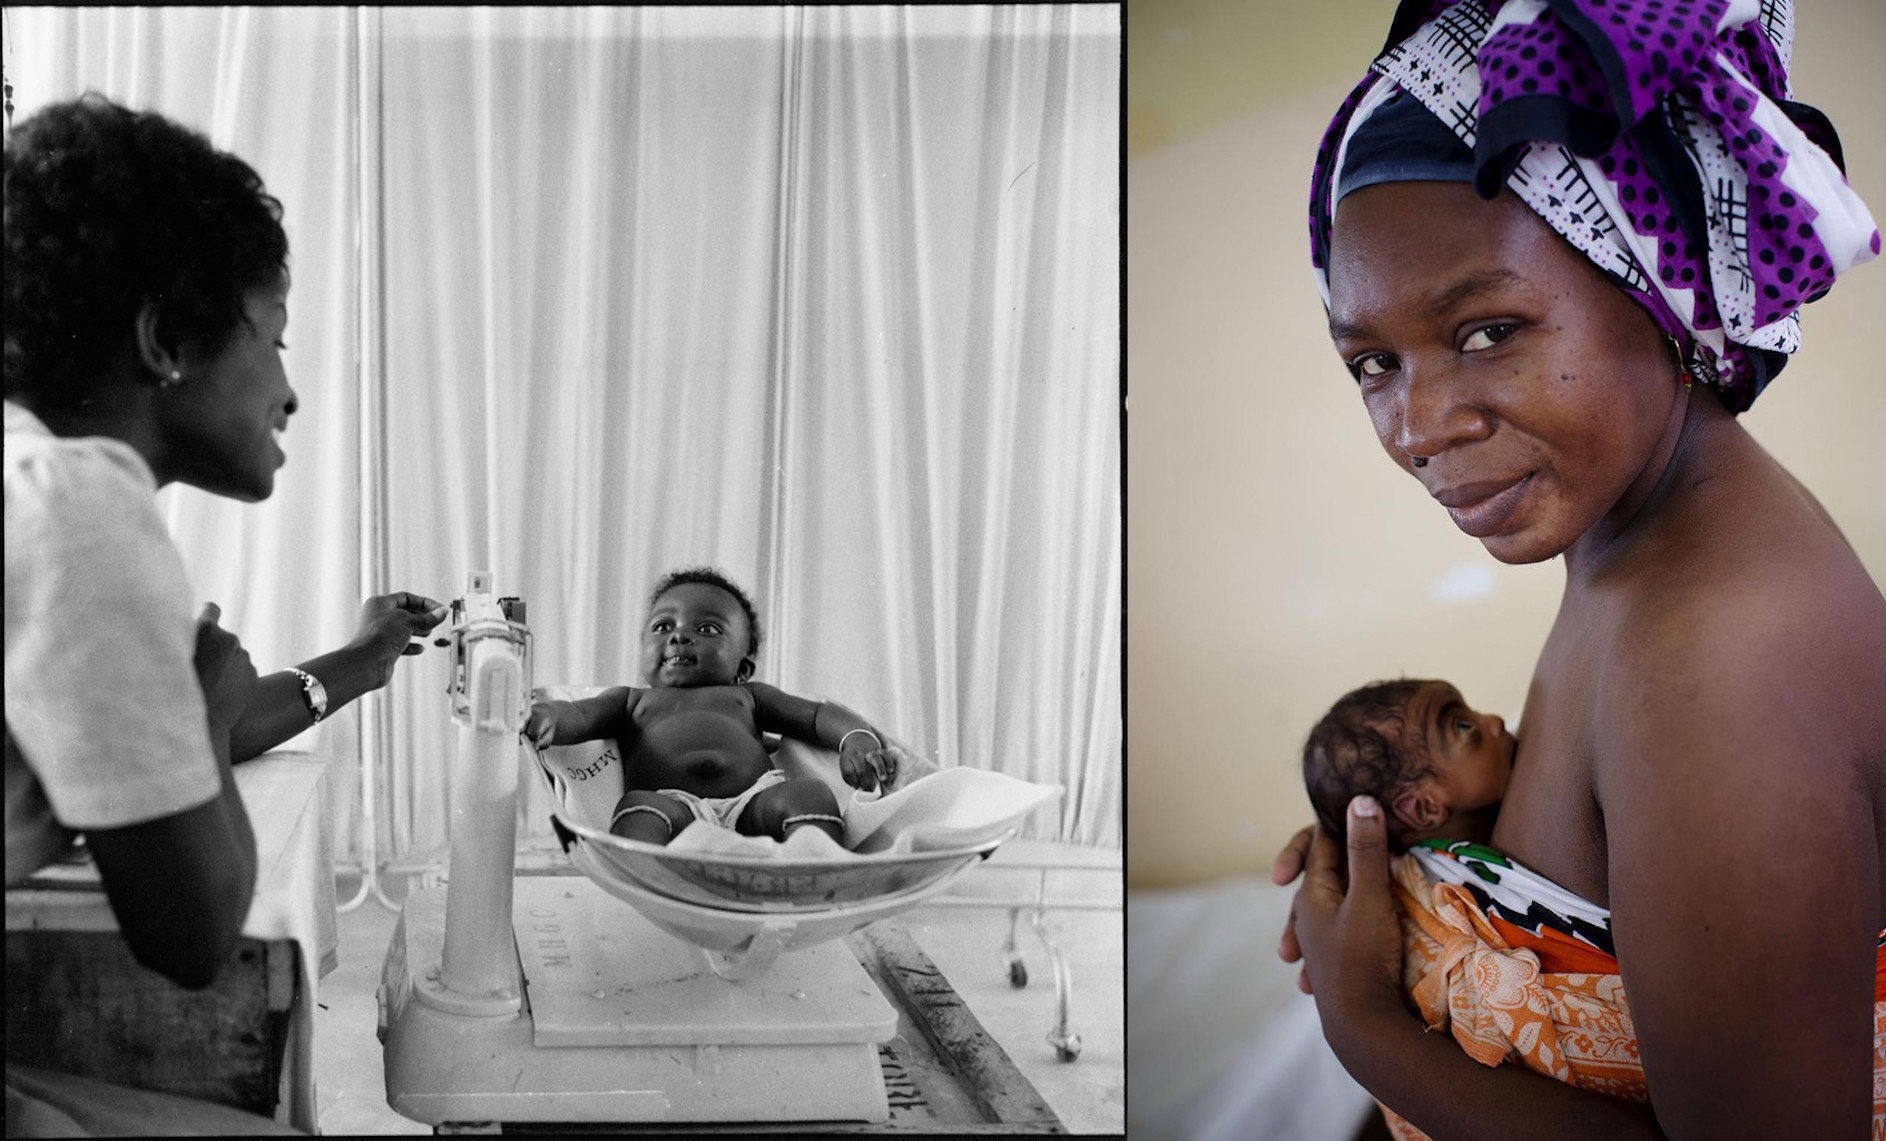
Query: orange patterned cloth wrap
{"type": "Point", "coordinates": [1521, 971]}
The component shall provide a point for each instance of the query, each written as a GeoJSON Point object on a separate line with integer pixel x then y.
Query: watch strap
{"type": "Point", "coordinates": [312, 692]}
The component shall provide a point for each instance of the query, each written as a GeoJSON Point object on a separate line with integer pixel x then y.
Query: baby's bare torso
{"type": "Point", "coordinates": [702, 740]}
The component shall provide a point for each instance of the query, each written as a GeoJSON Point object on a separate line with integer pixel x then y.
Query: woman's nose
{"type": "Point", "coordinates": [1436, 413]}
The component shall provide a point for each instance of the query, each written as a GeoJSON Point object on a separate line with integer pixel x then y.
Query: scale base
{"type": "Point", "coordinates": [622, 1022]}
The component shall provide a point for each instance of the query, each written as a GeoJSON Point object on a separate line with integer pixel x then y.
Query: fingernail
{"type": "Point", "coordinates": [1365, 806]}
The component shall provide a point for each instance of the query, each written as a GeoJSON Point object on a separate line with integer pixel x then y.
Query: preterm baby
{"type": "Point", "coordinates": [691, 742]}
{"type": "Point", "coordinates": [1438, 767]}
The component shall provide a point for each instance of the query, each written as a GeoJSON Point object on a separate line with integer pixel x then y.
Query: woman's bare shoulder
{"type": "Point", "coordinates": [1756, 618]}
{"type": "Point", "coordinates": [1792, 627]}
{"type": "Point", "coordinates": [1756, 575]}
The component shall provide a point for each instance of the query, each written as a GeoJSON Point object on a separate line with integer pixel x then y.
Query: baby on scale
{"type": "Point", "coordinates": [691, 742]}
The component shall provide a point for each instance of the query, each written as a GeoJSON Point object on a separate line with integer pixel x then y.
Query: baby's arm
{"type": "Point", "coordinates": [603, 716]}
{"type": "Point", "coordinates": [861, 748]}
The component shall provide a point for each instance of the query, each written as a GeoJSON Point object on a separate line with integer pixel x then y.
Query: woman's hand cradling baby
{"type": "Point", "coordinates": [1283, 872]}
{"type": "Point", "coordinates": [1343, 922]}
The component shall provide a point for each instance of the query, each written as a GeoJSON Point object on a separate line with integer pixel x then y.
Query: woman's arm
{"type": "Point", "coordinates": [181, 885]}
{"type": "Point", "coordinates": [1745, 865]}
{"type": "Point", "coordinates": [278, 708]}
{"type": "Point", "coordinates": [1351, 948]}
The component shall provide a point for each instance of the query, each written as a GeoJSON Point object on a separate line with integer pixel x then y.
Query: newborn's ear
{"type": "Point", "coordinates": [1419, 807]}
{"type": "Point", "coordinates": [744, 670]}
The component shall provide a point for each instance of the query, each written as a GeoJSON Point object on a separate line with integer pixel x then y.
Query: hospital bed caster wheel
{"type": "Point", "coordinates": [1017, 972]}
{"type": "Point", "coordinates": [1066, 1048]}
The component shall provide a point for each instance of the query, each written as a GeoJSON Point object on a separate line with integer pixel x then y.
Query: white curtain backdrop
{"type": "Point", "coordinates": [827, 298]}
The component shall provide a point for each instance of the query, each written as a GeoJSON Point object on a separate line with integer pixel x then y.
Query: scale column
{"type": "Point", "coordinates": [479, 966]}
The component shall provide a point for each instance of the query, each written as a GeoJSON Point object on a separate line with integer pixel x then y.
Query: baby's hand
{"type": "Point", "coordinates": [540, 727]}
{"type": "Point", "coordinates": [897, 768]}
{"type": "Point", "coordinates": [883, 768]}
{"type": "Point", "coordinates": [854, 764]}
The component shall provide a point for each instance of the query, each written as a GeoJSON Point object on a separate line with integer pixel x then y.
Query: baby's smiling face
{"type": "Point", "coordinates": [696, 635]}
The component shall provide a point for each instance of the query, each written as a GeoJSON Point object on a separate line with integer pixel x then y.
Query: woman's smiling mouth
{"type": "Point", "coordinates": [1481, 509]}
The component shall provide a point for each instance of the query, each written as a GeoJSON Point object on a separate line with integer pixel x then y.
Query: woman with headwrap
{"type": "Point", "coordinates": [1563, 244]}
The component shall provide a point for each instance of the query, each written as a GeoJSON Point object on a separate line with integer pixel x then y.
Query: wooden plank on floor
{"type": "Point", "coordinates": [981, 1068]}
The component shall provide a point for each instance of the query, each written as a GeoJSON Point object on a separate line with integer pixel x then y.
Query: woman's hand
{"type": "Point", "coordinates": [1283, 871]}
{"type": "Point", "coordinates": [1344, 926]}
{"type": "Point", "coordinates": [223, 669]}
{"type": "Point", "coordinates": [388, 625]}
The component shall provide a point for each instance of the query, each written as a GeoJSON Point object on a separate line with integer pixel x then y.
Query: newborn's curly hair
{"type": "Point", "coordinates": [712, 577]}
{"type": "Point", "coordinates": [1357, 749]}
{"type": "Point", "coordinates": [109, 208]}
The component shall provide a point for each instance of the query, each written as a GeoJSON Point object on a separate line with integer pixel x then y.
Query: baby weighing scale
{"type": "Point", "coordinates": [656, 987]}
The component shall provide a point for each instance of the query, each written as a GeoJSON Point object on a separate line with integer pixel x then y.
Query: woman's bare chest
{"type": "Point", "coordinates": [1550, 819]}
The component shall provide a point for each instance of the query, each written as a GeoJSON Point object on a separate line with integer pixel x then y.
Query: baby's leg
{"type": "Point", "coordinates": [790, 805]}
{"type": "Point", "coordinates": [649, 817]}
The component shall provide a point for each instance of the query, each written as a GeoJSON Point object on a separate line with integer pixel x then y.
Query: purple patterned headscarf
{"type": "Point", "coordinates": [1657, 136]}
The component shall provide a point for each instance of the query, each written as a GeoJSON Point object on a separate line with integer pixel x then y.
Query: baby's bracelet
{"type": "Point", "coordinates": [866, 732]}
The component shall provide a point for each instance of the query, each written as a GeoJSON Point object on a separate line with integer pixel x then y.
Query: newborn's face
{"type": "Point", "coordinates": [696, 635]}
{"type": "Point", "coordinates": [1471, 752]}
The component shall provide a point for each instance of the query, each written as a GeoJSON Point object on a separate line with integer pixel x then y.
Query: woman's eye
{"type": "Point", "coordinates": [1485, 338]}
{"type": "Point", "coordinates": [1369, 366]}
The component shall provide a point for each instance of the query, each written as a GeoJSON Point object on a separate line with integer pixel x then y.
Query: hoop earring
{"type": "Point", "coordinates": [1682, 366]}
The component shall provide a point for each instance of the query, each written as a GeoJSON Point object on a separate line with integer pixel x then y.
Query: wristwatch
{"type": "Point", "coordinates": [312, 692]}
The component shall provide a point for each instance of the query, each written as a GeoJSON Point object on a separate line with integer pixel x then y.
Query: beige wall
{"type": "Point", "coordinates": [1275, 557]}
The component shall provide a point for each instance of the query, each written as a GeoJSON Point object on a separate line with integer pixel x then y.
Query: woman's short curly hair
{"type": "Point", "coordinates": [109, 208]}
{"type": "Point", "coordinates": [712, 577]}
{"type": "Point", "coordinates": [1359, 749]}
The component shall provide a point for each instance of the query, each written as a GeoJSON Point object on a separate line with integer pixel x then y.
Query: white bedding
{"type": "Point", "coordinates": [1221, 1046]}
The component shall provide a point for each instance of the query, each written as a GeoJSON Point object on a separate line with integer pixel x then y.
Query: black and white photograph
{"type": "Point", "coordinates": [564, 569]}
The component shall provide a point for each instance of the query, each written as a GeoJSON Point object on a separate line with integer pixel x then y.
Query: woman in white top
{"type": "Point", "coordinates": [145, 297]}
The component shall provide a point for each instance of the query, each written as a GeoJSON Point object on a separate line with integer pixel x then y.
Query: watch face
{"type": "Point", "coordinates": [314, 693]}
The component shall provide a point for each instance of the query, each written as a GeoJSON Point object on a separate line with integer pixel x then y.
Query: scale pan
{"type": "Point", "coordinates": [765, 885]}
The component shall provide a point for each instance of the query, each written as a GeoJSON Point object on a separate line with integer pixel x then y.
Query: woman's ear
{"type": "Point", "coordinates": [155, 348]}
{"type": "Point", "coordinates": [1419, 806]}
